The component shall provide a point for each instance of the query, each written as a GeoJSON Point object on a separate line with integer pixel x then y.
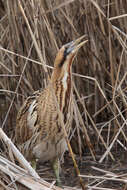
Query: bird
{"type": "Point", "coordinates": [38, 133]}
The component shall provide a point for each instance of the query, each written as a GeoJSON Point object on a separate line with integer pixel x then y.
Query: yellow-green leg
{"type": "Point", "coordinates": [34, 164]}
{"type": "Point", "coordinates": [56, 168]}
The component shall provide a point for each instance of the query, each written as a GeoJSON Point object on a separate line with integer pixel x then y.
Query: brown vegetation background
{"type": "Point", "coordinates": [31, 32]}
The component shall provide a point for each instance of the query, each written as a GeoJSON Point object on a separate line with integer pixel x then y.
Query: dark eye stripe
{"type": "Point", "coordinates": [66, 52]}
{"type": "Point", "coordinates": [64, 57]}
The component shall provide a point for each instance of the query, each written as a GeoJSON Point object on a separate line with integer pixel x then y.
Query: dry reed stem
{"type": "Point", "coordinates": [21, 176]}
{"type": "Point", "coordinates": [83, 125]}
{"type": "Point", "coordinates": [17, 154]}
{"type": "Point", "coordinates": [32, 35]}
{"type": "Point", "coordinates": [60, 114]}
{"type": "Point", "coordinates": [100, 69]}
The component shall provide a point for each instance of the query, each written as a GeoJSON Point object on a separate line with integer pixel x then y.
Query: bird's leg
{"type": "Point", "coordinates": [56, 168]}
{"type": "Point", "coordinates": [34, 164]}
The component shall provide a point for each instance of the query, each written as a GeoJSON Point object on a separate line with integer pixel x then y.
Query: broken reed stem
{"type": "Point", "coordinates": [17, 174]}
{"type": "Point", "coordinates": [17, 154]}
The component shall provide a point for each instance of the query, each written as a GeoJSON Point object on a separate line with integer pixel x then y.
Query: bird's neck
{"type": "Point", "coordinates": [62, 88]}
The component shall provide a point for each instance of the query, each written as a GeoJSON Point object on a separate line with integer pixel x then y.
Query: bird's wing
{"type": "Point", "coordinates": [27, 118]}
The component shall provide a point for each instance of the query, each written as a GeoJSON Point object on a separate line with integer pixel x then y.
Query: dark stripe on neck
{"type": "Point", "coordinates": [62, 62]}
{"type": "Point", "coordinates": [64, 57]}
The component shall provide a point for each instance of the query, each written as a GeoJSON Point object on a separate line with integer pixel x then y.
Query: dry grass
{"type": "Point", "coordinates": [31, 32]}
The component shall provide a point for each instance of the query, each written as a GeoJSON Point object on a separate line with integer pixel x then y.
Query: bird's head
{"type": "Point", "coordinates": [65, 57]}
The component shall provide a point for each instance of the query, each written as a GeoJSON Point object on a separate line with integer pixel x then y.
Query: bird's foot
{"type": "Point", "coordinates": [58, 183]}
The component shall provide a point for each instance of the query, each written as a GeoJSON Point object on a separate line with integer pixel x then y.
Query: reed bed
{"type": "Point", "coordinates": [31, 32]}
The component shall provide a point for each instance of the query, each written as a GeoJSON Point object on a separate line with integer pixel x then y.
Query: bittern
{"type": "Point", "coordinates": [39, 134]}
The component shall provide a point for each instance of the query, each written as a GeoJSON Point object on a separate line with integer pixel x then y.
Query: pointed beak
{"type": "Point", "coordinates": [74, 46]}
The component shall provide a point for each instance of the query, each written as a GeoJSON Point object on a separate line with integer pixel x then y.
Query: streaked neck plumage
{"type": "Point", "coordinates": [62, 87]}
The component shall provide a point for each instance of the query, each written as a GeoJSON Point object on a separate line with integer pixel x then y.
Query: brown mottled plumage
{"type": "Point", "coordinates": [38, 130]}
